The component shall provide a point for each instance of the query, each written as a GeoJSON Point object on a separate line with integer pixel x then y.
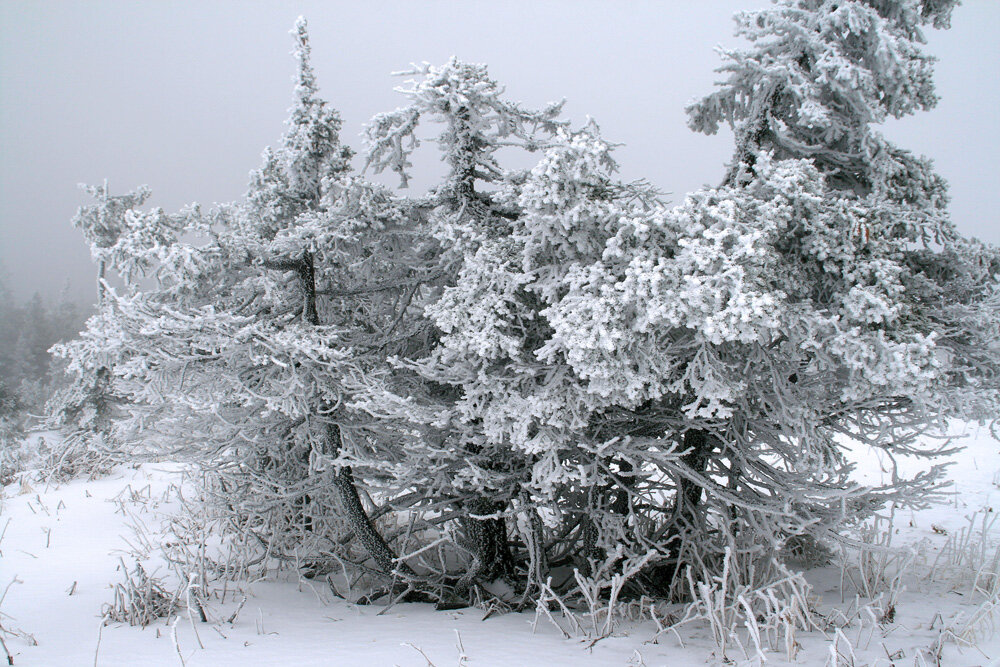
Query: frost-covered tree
{"type": "Point", "coordinates": [885, 312]}
{"type": "Point", "coordinates": [646, 387]}
{"type": "Point", "coordinates": [237, 328]}
{"type": "Point", "coordinates": [87, 405]}
{"type": "Point", "coordinates": [810, 301]}
{"type": "Point", "coordinates": [526, 373]}
{"type": "Point", "coordinates": [452, 461]}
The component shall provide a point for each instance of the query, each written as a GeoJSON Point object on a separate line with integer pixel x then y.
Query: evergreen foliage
{"type": "Point", "coordinates": [529, 373]}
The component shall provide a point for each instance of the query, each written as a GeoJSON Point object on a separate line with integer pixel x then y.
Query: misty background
{"type": "Point", "coordinates": [184, 96]}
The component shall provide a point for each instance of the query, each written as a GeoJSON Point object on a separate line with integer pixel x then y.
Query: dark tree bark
{"type": "Point", "coordinates": [700, 445]}
{"type": "Point", "coordinates": [347, 493]}
{"type": "Point", "coordinates": [361, 524]}
{"type": "Point", "coordinates": [487, 538]}
{"type": "Point", "coordinates": [686, 513]}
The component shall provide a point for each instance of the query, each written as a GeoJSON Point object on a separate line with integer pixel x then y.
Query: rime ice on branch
{"type": "Point", "coordinates": [526, 372]}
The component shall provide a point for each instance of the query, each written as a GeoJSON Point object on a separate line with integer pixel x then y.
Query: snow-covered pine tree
{"type": "Point", "coordinates": [568, 479]}
{"type": "Point", "coordinates": [810, 303]}
{"type": "Point", "coordinates": [885, 313]}
{"type": "Point", "coordinates": [464, 474]}
{"type": "Point", "coordinates": [238, 327]}
{"type": "Point", "coordinates": [85, 408]}
{"type": "Point", "coordinates": [670, 384]}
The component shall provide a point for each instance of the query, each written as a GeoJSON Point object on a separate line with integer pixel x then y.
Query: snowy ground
{"type": "Point", "coordinates": [61, 547]}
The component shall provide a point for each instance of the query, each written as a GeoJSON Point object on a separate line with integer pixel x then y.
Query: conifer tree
{"type": "Point", "coordinates": [452, 457]}
{"type": "Point", "coordinates": [87, 405]}
{"type": "Point", "coordinates": [663, 385]}
{"type": "Point", "coordinates": [237, 329]}
{"type": "Point", "coordinates": [808, 301]}
{"type": "Point", "coordinates": [534, 371]}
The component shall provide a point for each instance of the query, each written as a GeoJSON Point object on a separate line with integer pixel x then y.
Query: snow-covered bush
{"type": "Point", "coordinates": [636, 383]}
{"type": "Point", "coordinates": [548, 376]}
{"type": "Point", "coordinates": [139, 599]}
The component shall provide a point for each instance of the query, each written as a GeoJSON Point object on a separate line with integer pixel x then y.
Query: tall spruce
{"type": "Point", "coordinates": [452, 458]}
{"type": "Point", "coordinates": [237, 328]}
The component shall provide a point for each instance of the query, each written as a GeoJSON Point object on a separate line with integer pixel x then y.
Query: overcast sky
{"type": "Point", "coordinates": [184, 96]}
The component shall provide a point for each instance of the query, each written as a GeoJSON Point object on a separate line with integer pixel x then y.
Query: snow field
{"type": "Point", "coordinates": [62, 550]}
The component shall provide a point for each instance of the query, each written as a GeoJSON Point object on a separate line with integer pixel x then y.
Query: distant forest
{"type": "Point", "coordinates": [29, 375]}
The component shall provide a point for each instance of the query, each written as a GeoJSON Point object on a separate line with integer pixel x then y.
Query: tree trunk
{"type": "Point", "coordinates": [685, 516]}
{"type": "Point", "coordinates": [487, 539]}
{"type": "Point", "coordinates": [689, 493]}
{"type": "Point", "coordinates": [347, 492]}
{"type": "Point", "coordinates": [361, 524]}
{"type": "Point", "coordinates": [100, 283]}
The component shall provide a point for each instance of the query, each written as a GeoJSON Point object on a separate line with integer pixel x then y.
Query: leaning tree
{"type": "Point", "coordinates": [236, 330]}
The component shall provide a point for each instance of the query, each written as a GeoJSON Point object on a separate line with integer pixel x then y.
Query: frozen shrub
{"type": "Point", "coordinates": [140, 599]}
{"type": "Point", "coordinates": [548, 381]}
